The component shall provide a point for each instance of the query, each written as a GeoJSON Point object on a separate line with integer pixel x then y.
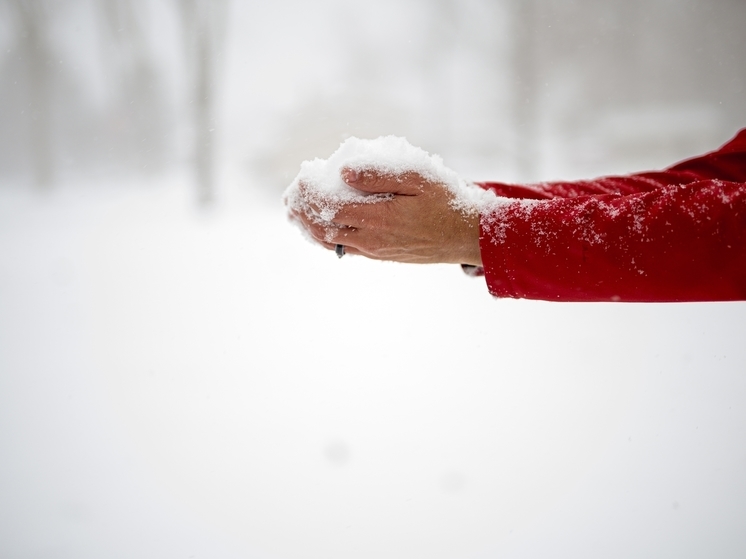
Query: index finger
{"type": "Point", "coordinates": [358, 215]}
{"type": "Point", "coordinates": [372, 180]}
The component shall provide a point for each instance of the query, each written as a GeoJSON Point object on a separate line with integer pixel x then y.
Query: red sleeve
{"type": "Point", "coordinates": [672, 235]}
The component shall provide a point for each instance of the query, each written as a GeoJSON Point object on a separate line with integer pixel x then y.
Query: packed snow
{"type": "Point", "coordinates": [320, 182]}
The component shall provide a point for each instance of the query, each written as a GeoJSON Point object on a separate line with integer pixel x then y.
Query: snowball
{"type": "Point", "coordinates": [389, 155]}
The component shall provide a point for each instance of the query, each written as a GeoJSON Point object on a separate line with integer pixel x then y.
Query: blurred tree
{"type": "Point", "coordinates": [50, 126]}
{"type": "Point", "coordinates": [136, 118]}
{"type": "Point", "coordinates": [442, 36]}
{"type": "Point", "coordinates": [629, 84]}
{"type": "Point", "coordinates": [204, 27]}
{"type": "Point", "coordinates": [32, 19]}
{"type": "Point", "coordinates": [525, 66]}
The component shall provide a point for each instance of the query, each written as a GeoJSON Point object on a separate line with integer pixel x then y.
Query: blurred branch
{"type": "Point", "coordinates": [33, 23]}
{"type": "Point", "coordinates": [138, 109]}
{"type": "Point", "coordinates": [526, 70]}
{"type": "Point", "coordinates": [204, 25]}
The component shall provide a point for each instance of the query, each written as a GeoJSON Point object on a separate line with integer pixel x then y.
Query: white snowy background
{"type": "Point", "coordinates": [182, 375]}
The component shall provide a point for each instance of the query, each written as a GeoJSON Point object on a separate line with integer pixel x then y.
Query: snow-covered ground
{"type": "Point", "coordinates": [207, 384]}
{"type": "Point", "coordinates": [185, 384]}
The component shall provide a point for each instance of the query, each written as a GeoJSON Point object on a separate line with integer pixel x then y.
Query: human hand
{"type": "Point", "coordinates": [416, 224]}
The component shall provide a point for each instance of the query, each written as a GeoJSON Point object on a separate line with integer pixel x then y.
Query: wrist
{"type": "Point", "coordinates": [469, 251]}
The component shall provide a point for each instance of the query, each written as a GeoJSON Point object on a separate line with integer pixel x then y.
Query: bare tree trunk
{"type": "Point", "coordinates": [203, 119]}
{"type": "Point", "coordinates": [138, 101]}
{"type": "Point", "coordinates": [35, 51]}
{"type": "Point", "coordinates": [526, 109]}
{"type": "Point", "coordinates": [203, 25]}
{"type": "Point", "coordinates": [440, 42]}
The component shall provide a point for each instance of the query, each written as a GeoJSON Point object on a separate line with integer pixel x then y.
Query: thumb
{"type": "Point", "coordinates": [374, 181]}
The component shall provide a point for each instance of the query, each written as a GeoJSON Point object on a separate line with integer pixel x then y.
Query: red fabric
{"type": "Point", "coordinates": [672, 235]}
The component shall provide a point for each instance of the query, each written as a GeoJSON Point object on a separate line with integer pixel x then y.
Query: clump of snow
{"type": "Point", "coordinates": [320, 183]}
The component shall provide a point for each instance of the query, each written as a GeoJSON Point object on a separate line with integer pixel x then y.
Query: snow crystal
{"type": "Point", "coordinates": [319, 181]}
{"type": "Point", "coordinates": [494, 215]}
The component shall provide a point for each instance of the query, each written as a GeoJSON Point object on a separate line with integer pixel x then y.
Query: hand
{"type": "Point", "coordinates": [416, 224]}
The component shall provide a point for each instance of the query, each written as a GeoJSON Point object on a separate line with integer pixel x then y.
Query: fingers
{"type": "Point", "coordinates": [349, 214]}
{"type": "Point", "coordinates": [373, 181]}
{"type": "Point", "coordinates": [325, 233]}
{"type": "Point", "coordinates": [312, 206]}
{"type": "Point", "coordinates": [395, 225]}
{"type": "Point", "coordinates": [345, 216]}
{"type": "Point", "coordinates": [360, 215]}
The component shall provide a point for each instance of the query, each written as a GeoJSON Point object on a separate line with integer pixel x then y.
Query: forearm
{"type": "Point", "coordinates": [679, 243]}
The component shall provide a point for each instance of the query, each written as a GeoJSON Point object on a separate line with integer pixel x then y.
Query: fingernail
{"type": "Point", "coordinates": [351, 175]}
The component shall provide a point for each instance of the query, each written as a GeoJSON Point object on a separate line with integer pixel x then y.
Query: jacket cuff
{"type": "Point", "coordinates": [493, 259]}
{"type": "Point", "coordinates": [472, 271]}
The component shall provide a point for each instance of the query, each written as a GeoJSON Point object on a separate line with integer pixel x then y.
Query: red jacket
{"type": "Point", "coordinates": [672, 235]}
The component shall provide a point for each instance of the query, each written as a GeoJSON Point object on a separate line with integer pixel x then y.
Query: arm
{"type": "Point", "coordinates": [679, 243]}
{"type": "Point", "coordinates": [675, 235]}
